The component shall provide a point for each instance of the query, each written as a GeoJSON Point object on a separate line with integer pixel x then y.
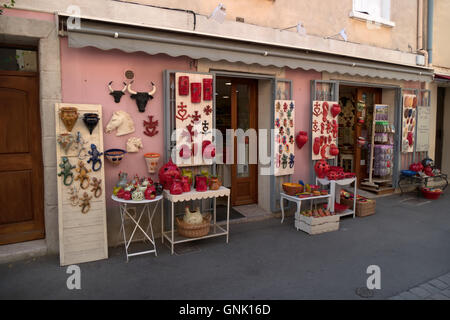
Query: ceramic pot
{"type": "Point", "coordinates": [214, 183]}
{"type": "Point", "coordinates": [152, 161]}
{"type": "Point", "coordinates": [65, 140]}
{"type": "Point", "coordinates": [186, 184]}
{"type": "Point", "coordinates": [115, 156]}
{"type": "Point", "coordinates": [187, 173]}
{"type": "Point", "coordinates": [321, 168]}
{"type": "Point", "coordinates": [68, 116]}
{"type": "Point", "coordinates": [90, 120]}
{"type": "Point", "coordinates": [176, 187]}
{"type": "Point", "coordinates": [200, 183]}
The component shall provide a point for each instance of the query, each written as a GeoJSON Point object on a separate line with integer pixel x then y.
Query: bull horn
{"type": "Point", "coordinates": [153, 90]}
{"type": "Point", "coordinates": [109, 86]}
{"type": "Point", "coordinates": [125, 87]}
{"type": "Point", "coordinates": [131, 90]}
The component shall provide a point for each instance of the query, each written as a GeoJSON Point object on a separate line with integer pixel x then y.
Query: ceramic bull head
{"type": "Point", "coordinates": [141, 97]}
{"type": "Point", "coordinates": [117, 94]}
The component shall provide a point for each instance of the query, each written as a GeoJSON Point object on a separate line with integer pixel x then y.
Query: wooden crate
{"type": "Point", "coordinates": [363, 209]}
{"type": "Point", "coordinates": [313, 225]}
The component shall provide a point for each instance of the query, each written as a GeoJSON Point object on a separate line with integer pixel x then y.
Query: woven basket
{"type": "Point", "coordinates": [292, 188]}
{"type": "Point", "coordinates": [193, 230]}
{"type": "Point", "coordinates": [362, 208]}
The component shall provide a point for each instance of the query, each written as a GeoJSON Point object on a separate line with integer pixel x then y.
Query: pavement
{"type": "Point", "coordinates": [407, 238]}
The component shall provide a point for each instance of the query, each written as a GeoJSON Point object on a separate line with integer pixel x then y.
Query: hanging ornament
{"type": "Point", "coordinates": [196, 93]}
{"type": "Point", "coordinates": [301, 139]}
{"type": "Point", "coordinates": [182, 112]}
{"type": "Point", "coordinates": [183, 85]}
{"type": "Point", "coordinates": [207, 89]}
{"type": "Point", "coordinates": [207, 110]}
{"type": "Point", "coordinates": [150, 127]}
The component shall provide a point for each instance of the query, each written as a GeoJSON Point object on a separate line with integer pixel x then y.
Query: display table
{"type": "Point", "coordinates": [421, 181]}
{"type": "Point", "coordinates": [335, 188]}
{"type": "Point", "coordinates": [146, 208]}
{"type": "Point", "coordinates": [298, 201]}
{"type": "Point", "coordinates": [216, 230]}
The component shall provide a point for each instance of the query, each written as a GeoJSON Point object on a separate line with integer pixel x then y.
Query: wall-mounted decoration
{"type": "Point", "coordinates": [134, 144]}
{"type": "Point", "coordinates": [193, 115]}
{"type": "Point", "coordinates": [141, 97]}
{"type": "Point", "coordinates": [121, 121]}
{"type": "Point", "coordinates": [196, 92]}
{"type": "Point", "coordinates": [90, 120]}
{"type": "Point", "coordinates": [301, 139]}
{"type": "Point", "coordinates": [150, 127]}
{"type": "Point", "coordinates": [183, 85]}
{"type": "Point", "coordinates": [408, 122]}
{"type": "Point", "coordinates": [115, 156]}
{"type": "Point", "coordinates": [207, 89]}
{"type": "Point", "coordinates": [65, 141]}
{"type": "Point", "coordinates": [151, 159]}
{"type": "Point", "coordinates": [69, 116]}
{"type": "Point", "coordinates": [284, 141]}
{"type": "Point", "coordinates": [82, 237]}
{"type": "Point", "coordinates": [117, 94]}
{"type": "Point", "coordinates": [95, 158]}
{"type": "Point", "coordinates": [66, 171]}
{"type": "Point", "coordinates": [324, 129]}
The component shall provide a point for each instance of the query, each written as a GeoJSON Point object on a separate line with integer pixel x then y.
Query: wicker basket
{"type": "Point", "coordinates": [362, 208]}
{"type": "Point", "coordinates": [194, 230]}
{"type": "Point", "coordinates": [292, 189]}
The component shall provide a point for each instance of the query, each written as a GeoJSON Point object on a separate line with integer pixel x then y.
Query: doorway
{"type": "Point", "coordinates": [439, 127]}
{"type": "Point", "coordinates": [21, 166]}
{"type": "Point", "coordinates": [236, 108]}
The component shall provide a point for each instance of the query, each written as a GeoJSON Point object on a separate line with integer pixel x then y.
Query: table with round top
{"type": "Point", "coordinates": [124, 212]}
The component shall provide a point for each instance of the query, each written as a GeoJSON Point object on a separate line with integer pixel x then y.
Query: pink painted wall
{"type": "Point", "coordinates": [301, 91]}
{"type": "Point", "coordinates": [28, 14]}
{"type": "Point", "coordinates": [85, 74]}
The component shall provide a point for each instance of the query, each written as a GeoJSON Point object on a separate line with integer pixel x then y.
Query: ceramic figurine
{"type": "Point", "coordinates": [117, 94]}
{"type": "Point", "coordinates": [65, 140]}
{"type": "Point", "coordinates": [85, 203]}
{"type": "Point", "coordinates": [82, 175]}
{"type": "Point", "coordinates": [68, 116]}
{"type": "Point", "coordinates": [90, 120]}
{"type": "Point", "coordinates": [168, 173]}
{"type": "Point", "coordinates": [96, 187]}
{"type": "Point", "coordinates": [74, 199]}
{"type": "Point", "coordinates": [141, 97]}
{"type": "Point", "coordinates": [159, 188]}
{"type": "Point", "coordinates": [284, 162]}
{"type": "Point", "coordinates": [123, 179]}
{"type": "Point", "coordinates": [121, 121]}
{"type": "Point", "coordinates": [66, 171]}
{"type": "Point", "coordinates": [80, 142]}
{"type": "Point", "coordinates": [193, 217]}
{"type": "Point", "coordinates": [137, 195]}
{"type": "Point", "coordinates": [95, 158]}
{"type": "Point", "coordinates": [134, 144]}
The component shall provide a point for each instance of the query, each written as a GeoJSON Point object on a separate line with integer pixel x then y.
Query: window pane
{"type": "Point", "coordinates": [12, 59]}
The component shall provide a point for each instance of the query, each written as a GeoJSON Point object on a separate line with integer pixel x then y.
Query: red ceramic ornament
{"type": "Point", "coordinates": [428, 171]}
{"type": "Point", "coordinates": [201, 183]}
{"type": "Point", "coordinates": [316, 147]}
{"type": "Point", "coordinates": [150, 192]}
{"type": "Point", "coordinates": [207, 89]}
{"type": "Point", "coordinates": [335, 110]}
{"type": "Point", "coordinates": [176, 187]}
{"type": "Point", "coordinates": [150, 127]}
{"type": "Point", "coordinates": [334, 151]}
{"type": "Point", "coordinates": [183, 85]}
{"type": "Point", "coordinates": [168, 173]}
{"type": "Point", "coordinates": [321, 168]}
{"type": "Point", "coordinates": [186, 184]}
{"type": "Point", "coordinates": [301, 139]}
{"type": "Point", "coordinates": [126, 195]}
{"type": "Point", "coordinates": [196, 92]}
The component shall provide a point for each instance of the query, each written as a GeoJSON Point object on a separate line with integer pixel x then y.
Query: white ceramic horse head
{"type": "Point", "coordinates": [121, 121]}
{"type": "Point", "coordinates": [134, 144]}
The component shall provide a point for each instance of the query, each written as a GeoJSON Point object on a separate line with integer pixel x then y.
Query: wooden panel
{"type": "Point", "coordinates": [14, 122]}
{"type": "Point", "coordinates": [82, 237]}
{"type": "Point", "coordinates": [16, 197]}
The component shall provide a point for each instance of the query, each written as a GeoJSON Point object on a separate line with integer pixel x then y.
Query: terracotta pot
{"type": "Point", "coordinates": [152, 161]}
{"type": "Point", "coordinates": [69, 116]}
{"type": "Point", "coordinates": [214, 183]}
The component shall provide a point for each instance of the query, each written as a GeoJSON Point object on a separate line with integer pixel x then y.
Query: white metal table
{"type": "Point", "coordinates": [298, 201]}
{"type": "Point", "coordinates": [217, 230]}
{"type": "Point", "coordinates": [146, 208]}
{"type": "Point", "coordinates": [335, 188]}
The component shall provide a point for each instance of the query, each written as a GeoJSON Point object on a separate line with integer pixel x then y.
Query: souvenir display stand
{"type": "Point", "coordinates": [298, 201]}
{"type": "Point", "coordinates": [216, 229]}
{"type": "Point", "coordinates": [335, 188]}
{"type": "Point", "coordinates": [124, 213]}
{"type": "Point", "coordinates": [81, 189]}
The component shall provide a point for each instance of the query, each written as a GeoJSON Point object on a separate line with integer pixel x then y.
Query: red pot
{"type": "Point", "coordinates": [428, 171]}
{"type": "Point", "coordinates": [301, 139]}
{"type": "Point", "coordinates": [186, 183]}
{"type": "Point", "coordinates": [176, 187]}
{"type": "Point", "coordinates": [335, 110]}
{"type": "Point", "coordinates": [201, 183]}
{"type": "Point", "coordinates": [168, 173]}
{"type": "Point", "coordinates": [127, 195]}
{"type": "Point", "coordinates": [150, 192]}
{"type": "Point", "coordinates": [321, 168]}
{"type": "Point", "coordinates": [332, 175]}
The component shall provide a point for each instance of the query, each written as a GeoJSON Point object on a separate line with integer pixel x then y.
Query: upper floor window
{"type": "Point", "coordinates": [378, 11]}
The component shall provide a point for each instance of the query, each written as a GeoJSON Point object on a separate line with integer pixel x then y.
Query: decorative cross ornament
{"type": "Point", "coordinates": [150, 127]}
{"type": "Point", "coordinates": [182, 112]}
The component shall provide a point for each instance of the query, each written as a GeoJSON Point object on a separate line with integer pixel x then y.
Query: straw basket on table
{"type": "Point", "coordinates": [194, 230]}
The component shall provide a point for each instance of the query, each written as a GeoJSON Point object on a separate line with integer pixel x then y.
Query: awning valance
{"type": "Point", "coordinates": [107, 36]}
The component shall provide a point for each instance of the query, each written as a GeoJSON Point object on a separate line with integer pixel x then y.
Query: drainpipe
{"type": "Point", "coordinates": [430, 11]}
{"type": "Point", "coordinates": [419, 24]}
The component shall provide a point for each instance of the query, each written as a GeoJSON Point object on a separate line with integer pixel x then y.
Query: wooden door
{"type": "Point", "coordinates": [370, 97]}
{"type": "Point", "coordinates": [244, 183]}
{"type": "Point", "coordinates": [21, 168]}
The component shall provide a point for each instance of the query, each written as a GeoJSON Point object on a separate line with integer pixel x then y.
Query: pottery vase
{"type": "Point", "coordinates": [200, 183]}
{"type": "Point", "coordinates": [90, 120]}
{"type": "Point", "coordinates": [65, 140]}
{"type": "Point", "coordinates": [214, 183]}
{"type": "Point", "coordinates": [152, 161]}
{"type": "Point", "coordinates": [68, 116]}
